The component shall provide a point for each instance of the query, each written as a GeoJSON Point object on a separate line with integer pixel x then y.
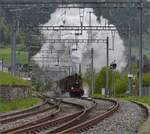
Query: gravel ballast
{"type": "Point", "coordinates": [127, 120]}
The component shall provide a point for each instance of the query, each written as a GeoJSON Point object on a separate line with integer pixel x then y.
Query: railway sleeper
{"type": "Point", "coordinates": [55, 123]}
{"type": "Point", "coordinates": [51, 125]}
{"type": "Point", "coordinates": [40, 129]}
{"type": "Point", "coordinates": [84, 129]}
{"type": "Point", "coordinates": [37, 130]}
{"type": "Point", "coordinates": [45, 127]}
{"type": "Point", "coordinates": [32, 132]}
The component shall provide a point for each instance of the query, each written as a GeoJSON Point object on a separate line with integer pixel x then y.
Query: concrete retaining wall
{"type": "Point", "coordinates": [13, 92]}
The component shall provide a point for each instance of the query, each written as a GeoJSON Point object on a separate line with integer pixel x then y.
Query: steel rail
{"type": "Point", "coordinates": [26, 110]}
{"type": "Point", "coordinates": [23, 115]}
{"type": "Point", "coordinates": [87, 124]}
{"type": "Point", "coordinates": [22, 111]}
{"type": "Point", "coordinates": [36, 124]}
{"type": "Point", "coordinates": [73, 121]}
{"type": "Point", "coordinates": [144, 106]}
{"type": "Point", "coordinates": [51, 116]}
{"type": "Point", "coordinates": [43, 125]}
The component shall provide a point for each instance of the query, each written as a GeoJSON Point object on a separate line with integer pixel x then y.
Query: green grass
{"type": "Point", "coordinates": [144, 99]}
{"type": "Point", "coordinates": [5, 54]}
{"type": "Point", "coordinates": [6, 106]}
{"type": "Point", "coordinates": [8, 79]}
{"type": "Point", "coordinates": [96, 95]}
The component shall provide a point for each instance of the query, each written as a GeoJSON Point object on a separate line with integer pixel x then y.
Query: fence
{"type": "Point", "coordinates": [3, 67]}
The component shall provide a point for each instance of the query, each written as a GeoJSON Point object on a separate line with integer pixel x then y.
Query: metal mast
{"type": "Point", "coordinates": [13, 48]}
{"type": "Point", "coordinates": [107, 66]}
{"type": "Point", "coordinates": [129, 58]}
{"type": "Point", "coordinates": [140, 47]}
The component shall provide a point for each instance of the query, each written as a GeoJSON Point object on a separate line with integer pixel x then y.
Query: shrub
{"type": "Point", "coordinates": [121, 84]}
{"type": "Point", "coordinates": [120, 81]}
{"type": "Point", "coordinates": [146, 79]}
{"type": "Point", "coordinates": [8, 79]}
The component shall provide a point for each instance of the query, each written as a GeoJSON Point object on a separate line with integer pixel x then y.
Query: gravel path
{"type": "Point", "coordinates": [126, 120]}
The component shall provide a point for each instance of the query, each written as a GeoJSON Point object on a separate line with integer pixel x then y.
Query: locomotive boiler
{"type": "Point", "coordinates": [73, 85]}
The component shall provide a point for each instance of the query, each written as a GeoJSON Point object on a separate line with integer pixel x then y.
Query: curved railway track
{"type": "Point", "coordinates": [68, 116]}
{"type": "Point", "coordinates": [22, 111]}
{"type": "Point", "coordinates": [45, 105]}
{"type": "Point", "coordinates": [23, 114]}
{"type": "Point", "coordinates": [24, 118]}
{"type": "Point", "coordinates": [93, 117]}
{"type": "Point", "coordinates": [49, 120]}
{"type": "Point", "coordinates": [65, 116]}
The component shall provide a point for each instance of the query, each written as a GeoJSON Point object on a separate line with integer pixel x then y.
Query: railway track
{"type": "Point", "coordinates": [68, 113]}
{"type": "Point", "coordinates": [27, 117]}
{"type": "Point", "coordinates": [62, 110]}
{"type": "Point", "coordinates": [21, 112]}
{"type": "Point", "coordinates": [27, 112]}
{"type": "Point", "coordinates": [19, 115]}
{"type": "Point", "coordinates": [93, 117]}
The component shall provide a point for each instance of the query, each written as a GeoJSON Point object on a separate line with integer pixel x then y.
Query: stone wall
{"type": "Point", "coordinates": [14, 92]}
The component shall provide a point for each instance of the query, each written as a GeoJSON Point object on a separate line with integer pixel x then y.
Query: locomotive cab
{"type": "Point", "coordinates": [73, 85]}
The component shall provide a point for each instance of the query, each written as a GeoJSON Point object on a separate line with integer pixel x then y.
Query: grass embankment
{"type": "Point", "coordinates": [6, 106]}
{"type": "Point", "coordinates": [8, 79]}
{"type": "Point", "coordinates": [144, 99]}
{"type": "Point", "coordinates": [5, 54]}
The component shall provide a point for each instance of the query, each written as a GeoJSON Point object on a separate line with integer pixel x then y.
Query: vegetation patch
{"type": "Point", "coordinates": [5, 54]}
{"type": "Point", "coordinates": [117, 81]}
{"type": "Point", "coordinates": [144, 99]}
{"type": "Point", "coordinates": [8, 79]}
{"type": "Point", "coordinates": [7, 106]}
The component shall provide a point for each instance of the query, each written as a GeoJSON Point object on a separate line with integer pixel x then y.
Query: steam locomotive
{"type": "Point", "coordinates": [73, 85]}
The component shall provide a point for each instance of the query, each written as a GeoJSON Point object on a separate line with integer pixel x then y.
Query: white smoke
{"type": "Point", "coordinates": [71, 17]}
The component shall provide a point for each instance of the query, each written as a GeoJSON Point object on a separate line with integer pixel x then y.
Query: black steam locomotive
{"type": "Point", "coordinates": [73, 85]}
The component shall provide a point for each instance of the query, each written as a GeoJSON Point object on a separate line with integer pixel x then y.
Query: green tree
{"type": "Point", "coordinates": [20, 40]}
{"type": "Point", "coordinates": [121, 84]}
{"type": "Point", "coordinates": [146, 79]}
{"type": "Point", "coordinates": [100, 80]}
{"type": "Point", "coordinates": [116, 80]}
{"type": "Point", "coordinates": [87, 78]}
{"type": "Point", "coordinates": [4, 33]}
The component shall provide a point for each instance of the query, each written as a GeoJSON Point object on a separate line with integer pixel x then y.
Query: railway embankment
{"type": "Point", "coordinates": [127, 119]}
{"type": "Point", "coordinates": [145, 129]}
{"type": "Point", "coordinates": [13, 92]}
{"type": "Point", "coordinates": [19, 104]}
{"type": "Point", "coordinates": [84, 116]}
{"type": "Point", "coordinates": [13, 87]}
{"type": "Point", "coordinates": [145, 101]}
